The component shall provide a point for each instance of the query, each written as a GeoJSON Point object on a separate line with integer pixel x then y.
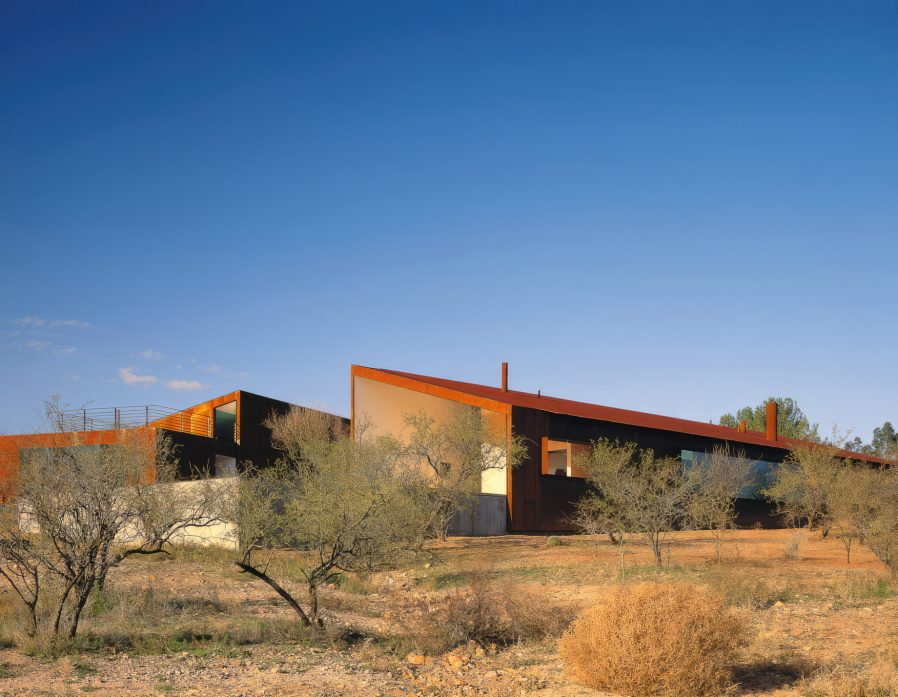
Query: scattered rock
{"type": "Point", "coordinates": [415, 659]}
{"type": "Point", "coordinates": [454, 660]}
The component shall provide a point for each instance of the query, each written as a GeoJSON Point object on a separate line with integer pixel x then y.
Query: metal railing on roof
{"type": "Point", "coordinates": [106, 418]}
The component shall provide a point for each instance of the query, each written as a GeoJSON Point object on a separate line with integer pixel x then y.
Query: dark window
{"type": "Point", "coordinates": [226, 422]}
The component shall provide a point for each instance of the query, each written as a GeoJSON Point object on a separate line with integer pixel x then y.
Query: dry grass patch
{"type": "Point", "coordinates": [489, 613]}
{"type": "Point", "coordinates": [655, 639]}
{"type": "Point", "coordinates": [879, 679]}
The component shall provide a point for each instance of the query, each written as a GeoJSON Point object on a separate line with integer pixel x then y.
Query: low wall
{"type": "Point", "coordinates": [488, 517]}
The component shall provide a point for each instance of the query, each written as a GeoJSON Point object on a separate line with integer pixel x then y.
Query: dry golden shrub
{"type": "Point", "coordinates": [655, 639]}
{"type": "Point", "coordinates": [877, 679]}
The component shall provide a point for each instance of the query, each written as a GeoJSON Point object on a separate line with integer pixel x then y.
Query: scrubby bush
{"type": "Point", "coordinates": [655, 639]}
{"type": "Point", "coordinates": [746, 590]}
{"type": "Point", "coordinates": [489, 613]}
{"type": "Point", "coordinates": [792, 545]}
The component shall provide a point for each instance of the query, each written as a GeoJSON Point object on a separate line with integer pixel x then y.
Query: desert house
{"type": "Point", "coordinates": [214, 437]}
{"type": "Point", "coordinates": [537, 495]}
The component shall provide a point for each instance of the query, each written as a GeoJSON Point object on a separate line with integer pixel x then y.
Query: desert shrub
{"type": "Point", "coordinates": [359, 584]}
{"type": "Point", "coordinates": [492, 613]}
{"type": "Point", "coordinates": [748, 591]}
{"type": "Point", "coordinates": [554, 541]}
{"type": "Point", "coordinates": [792, 545]}
{"type": "Point", "coordinates": [655, 639]}
{"type": "Point", "coordinates": [148, 606]}
{"type": "Point", "coordinates": [856, 587]}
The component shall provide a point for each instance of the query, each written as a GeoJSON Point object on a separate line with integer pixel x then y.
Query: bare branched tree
{"type": "Point", "coordinates": [80, 510]}
{"type": "Point", "coordinates": [608, 469]}
{"type": "Point", "coordinates": [20, 565]}
{"type": "Point", "coordinates": [455, 453]}
{"type": "Point", "coordinates": [803, 486]}
{"type": "Point", "coordinates": [339, 503]}
{"type": "Point", "coordinates": [856, 502]}
{"type": "Point", "coordinates": [637, 492]}
{"type": "Point", "coordinates": [717, 478]}
{"type": "Point", "coordinates": [881, 536]}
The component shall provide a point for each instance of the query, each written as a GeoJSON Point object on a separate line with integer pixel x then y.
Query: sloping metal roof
{"type": "Point", "coordinates": [599, 412]}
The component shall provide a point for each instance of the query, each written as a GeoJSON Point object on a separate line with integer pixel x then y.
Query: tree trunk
{"type": "Point", "coordinates": [313, 602]}
{"type": "Point", "coordinates": [81, 601]}
{"type": "Point", "coordinates": [656, 548]}
{"type": "Point", "coordinates": [277, 588]}
{"type": "Point", "coordinates": [61, 608]}
{"type": "Point", "coordinates": [101, 579]}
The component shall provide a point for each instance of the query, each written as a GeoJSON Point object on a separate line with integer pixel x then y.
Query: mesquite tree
{"type": "Point", "coordinates": [338, 503]}
{"type": "Point", "coordinates": [637, 492]}
{"type": "Point", "coordinates": [717, 478]}
{"type": "Point", "coordinates": [80, 510]}
{"type": "Point", "coordinates": [803, 486]}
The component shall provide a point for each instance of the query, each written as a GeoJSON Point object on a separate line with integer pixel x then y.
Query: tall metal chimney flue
{"type": "Point", "coordinates": [504, 376]}
{"type": "Point", "coordinates": [771, 420]}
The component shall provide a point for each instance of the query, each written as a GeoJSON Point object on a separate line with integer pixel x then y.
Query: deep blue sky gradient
{"type": "Point", "coordinates": [677, 207]}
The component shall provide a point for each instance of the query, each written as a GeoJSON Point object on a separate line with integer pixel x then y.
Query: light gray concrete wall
{"type": "Point", "coordinates": [487, 518]}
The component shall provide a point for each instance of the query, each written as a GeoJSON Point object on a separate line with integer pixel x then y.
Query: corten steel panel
{"type": "Point", "coordinates": [525, 478]}
{"type": "Point", "coordinates": [11, 447]}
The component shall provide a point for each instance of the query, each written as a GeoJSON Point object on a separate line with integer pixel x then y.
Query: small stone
{"type": "Point", "coordinates": [415, 659]}
{"type": "Point", "coordinates": [454, 660]}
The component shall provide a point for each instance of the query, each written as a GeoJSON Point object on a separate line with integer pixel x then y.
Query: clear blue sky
{"type": "Point", "coordinates": [677, 207]}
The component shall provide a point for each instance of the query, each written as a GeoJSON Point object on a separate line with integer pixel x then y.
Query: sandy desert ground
{"type": "Point", "coordinates": [191, 624]}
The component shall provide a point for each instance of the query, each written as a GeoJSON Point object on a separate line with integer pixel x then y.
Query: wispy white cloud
{"type": "Point", "coordinates": [35, 322]}
{"type": "Point", "coordinates": [42, 345]}
{"type": "Point", "coordinates": [67, 323]}
{"type": "Point", "coordinates": [30, 321]}
{"type": "Point", "coordinates": [184, 385]}
{"type": "Point", "coordinates": [129, 377]}
{"type": "Point", "coordinates": [74, 377]}
{"type": "Point", "coordinates": [148, 355]}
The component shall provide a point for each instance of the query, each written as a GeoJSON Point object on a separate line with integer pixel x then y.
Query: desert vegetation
{"type": "Point", "coordinates": [648, 638]}
{"type": "Point", "coordinates": [79, 512]}
{"type": "Point", "coordinates": [342, 580]}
